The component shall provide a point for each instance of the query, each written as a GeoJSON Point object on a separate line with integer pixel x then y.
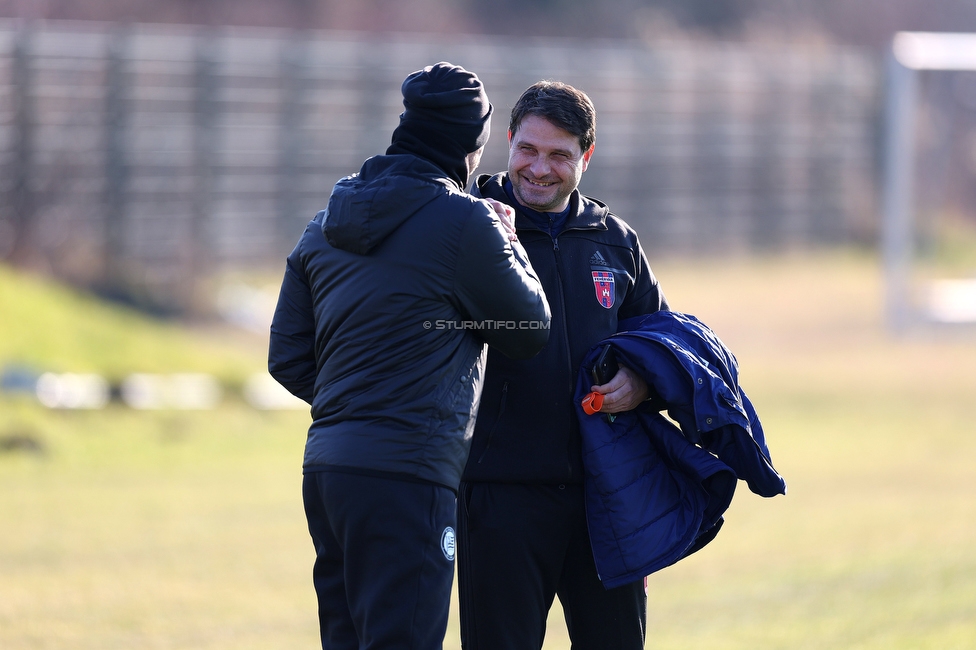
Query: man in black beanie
{"type": "Point", "coordinates": [385, 310]}
{"type": "Point", "coordinates": [446, 118]}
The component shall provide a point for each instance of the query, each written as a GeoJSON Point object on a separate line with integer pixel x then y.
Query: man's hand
{"type": "Point", "coordinates": [622, 393]}
{"type": "Point", "coordinates": [506, 215]}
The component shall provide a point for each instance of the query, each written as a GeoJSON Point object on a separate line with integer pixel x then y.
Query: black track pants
{"type": "Point", "coordinates": [384, 560]}
{"type": "Point", "coordinates": [518, 547]}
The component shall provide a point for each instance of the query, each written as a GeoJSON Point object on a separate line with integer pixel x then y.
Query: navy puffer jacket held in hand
{"type": "Point", "coordinates": [656, 492]}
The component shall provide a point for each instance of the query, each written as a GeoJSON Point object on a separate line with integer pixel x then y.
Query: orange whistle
{"type": "Point", "coordinates": [592, 403]}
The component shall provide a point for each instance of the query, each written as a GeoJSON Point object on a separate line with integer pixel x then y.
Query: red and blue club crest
{"type": "Point", "coordinates": [603, 284]}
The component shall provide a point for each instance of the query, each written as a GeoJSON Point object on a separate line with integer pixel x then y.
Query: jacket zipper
{"type": "Point", "coordinates": [569, 360]}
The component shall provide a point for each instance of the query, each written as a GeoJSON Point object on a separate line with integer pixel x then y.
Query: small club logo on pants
{"type": "Point", "coordinates": [447, 543]}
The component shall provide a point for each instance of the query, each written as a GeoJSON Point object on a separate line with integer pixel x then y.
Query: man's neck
{"type": "Point", "coordinates": [551, 222]}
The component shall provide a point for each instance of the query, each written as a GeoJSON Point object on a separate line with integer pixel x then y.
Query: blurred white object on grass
{"type": "Point", "coordinates": [183, 391]}
{"type": "Point", "coordinates": [72, 390]}
{"type": "Point", "coordinates": [262, 392]}
{"type": "Point", "coordinates": [953, 301]}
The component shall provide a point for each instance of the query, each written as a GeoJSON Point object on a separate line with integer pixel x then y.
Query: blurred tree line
{"type": "Point", "coordinates": [867, 23]}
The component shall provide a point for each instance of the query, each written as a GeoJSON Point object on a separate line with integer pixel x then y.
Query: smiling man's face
{"type": "Point", "coordinates": [545, 164]}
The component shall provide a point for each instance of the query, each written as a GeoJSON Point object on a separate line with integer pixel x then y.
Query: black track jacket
{"type": "Point", "coordinates": [376, 320]}
{"type": "Point", "coordinates": [594, 273]}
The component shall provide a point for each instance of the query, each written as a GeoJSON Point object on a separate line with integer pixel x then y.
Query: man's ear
{"type": "Point", "coordinates": [587, 155]}
{"type": "Point", "coordinates": [509, 136]}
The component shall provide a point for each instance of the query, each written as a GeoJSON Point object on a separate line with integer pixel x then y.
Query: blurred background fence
{"type": "Point", "coordinates": [139, 159]}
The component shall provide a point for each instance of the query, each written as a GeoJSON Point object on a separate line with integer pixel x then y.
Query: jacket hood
{"type": "Point", "coordinates": [367, 207]}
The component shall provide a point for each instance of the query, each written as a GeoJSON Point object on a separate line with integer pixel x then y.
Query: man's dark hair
{"type": "Point", "coordinates": [566, 107]}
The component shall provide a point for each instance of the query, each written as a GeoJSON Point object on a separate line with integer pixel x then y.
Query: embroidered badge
{"type": "Point", "coordinates": [603, 284]}
{"type": "Point", "coordinates": [447, 543]}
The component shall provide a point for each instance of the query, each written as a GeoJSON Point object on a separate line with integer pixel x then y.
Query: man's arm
{"type": "Point", "coordinates": [646, 296]}
{"type": "Point", "coordinates": [626, 390]}
{"type": "Point", "coordinates": [291, 355]}
{"type": "Point", "coordinates": [499, 289]}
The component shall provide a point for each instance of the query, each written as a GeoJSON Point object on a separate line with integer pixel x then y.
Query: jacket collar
{"type": "Point", "coordinates": [584, 213]}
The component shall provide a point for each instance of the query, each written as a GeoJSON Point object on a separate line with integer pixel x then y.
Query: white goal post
{"type": "Point", "coordinates": [946, 301]}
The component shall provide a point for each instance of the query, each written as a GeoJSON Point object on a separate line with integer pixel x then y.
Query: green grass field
{"type": "Point", "coordinates": [184, 530]}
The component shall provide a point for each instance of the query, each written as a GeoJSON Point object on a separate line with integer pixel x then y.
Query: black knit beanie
{"type": "Point", "coordinates": [446, 116]}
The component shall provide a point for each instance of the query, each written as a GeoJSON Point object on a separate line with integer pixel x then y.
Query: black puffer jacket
{"type": "Point", "coordinates": [594, 273]}
{"type": "Point", "coordinates": [368, 327]}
